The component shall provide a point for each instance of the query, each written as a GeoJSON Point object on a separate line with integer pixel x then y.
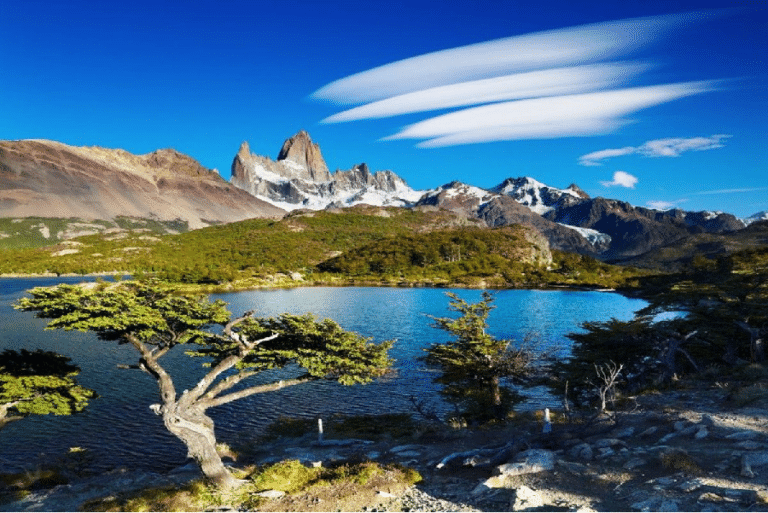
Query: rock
{"type": "Point", "coordinates": [582, 451]}
{"type": "Point", "coordinates": [668, 505]}
{"type": "Point", "coordinates": [271, 494]}
{"type": "Point", "coordinates": [752, 460]}
{"type": "Point", "coordinates": [625, 433]}
{"type": "Point", "coordinates": [667, 438]}
{"type": "Point", "coordinates": [701, 433]}
{"type": "Point", "coordinates": [748, 445]}
{"type": "Point", "coordinates": [648, 432]}
{"type": "Point", "coordinates": [608, 442]}
{"type": "Point", "coordinates": [404, 448]}
{"type": "Point", "coordinates": [526, 498]}
{"type": "Point", "coordinates": [634, 463]}
{"type": "Point", "coordinates": [691, 486]}
{"type": "Point", "coordinates": [572, 467]}
{"type": "Point", "coordinates": [650, 504]}
{"type": "Point", "coordinates": [710, 497]}
{"type": "Point", "coordinates": [605, 452]}
{"type": "Point", "coordinates": [529, 462]}
{"type": "Point", "coordinates": [742, 435]}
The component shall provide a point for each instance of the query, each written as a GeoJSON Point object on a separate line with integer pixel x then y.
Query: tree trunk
{"type": "Point", "coordinates": [195, 430]}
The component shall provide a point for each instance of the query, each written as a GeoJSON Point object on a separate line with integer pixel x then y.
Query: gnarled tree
{"type": "Point", "coordinates": [38, 383]}
{"type": "Point", "coordinates": [154, 320]}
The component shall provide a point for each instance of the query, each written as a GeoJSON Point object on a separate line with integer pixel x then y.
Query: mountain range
{"type": "Point", "coordinates": [49, 179]}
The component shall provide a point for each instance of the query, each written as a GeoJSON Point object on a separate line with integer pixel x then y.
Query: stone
{"type": "Point", "coordinates": [748, 445]}
{"type": "Point", "coordinates": [271, 494]}
{"type": "Point", "coordinates": [648, 432]}
{"type": "Point", "coordinates": [529, 462]}
{"type": "Point", "coordinates": [754, 459]}
{"type": "Point", "coordinates": [667, 438]}
{"type": "Point", "coordinates": [526, 498]}
{"type": "Point", "coordinates": [650, 504]}
{"type": "Point", "coordinates": [691, 486]}
{"type": "Point", "coordinates": [742, 435]}
{"type": "Point", "coordinates": [634, 463]}
{"type": "Point", "coordinates": [625, 433]}
{"type": "Point", "coordinates": [668, 505]}
{"type": "Point", "coordinates": [710, 497]}
{"type": "Point", "coordinates": [701, 433]}
{"type": "Point", "coordinates": [582, 451]}
{"type": "Point", "coordinates": [608, 442]}
{"type": "Point", "coordinates": [572, 467]}
{"type": "Point", "coordinates": [605, 452]}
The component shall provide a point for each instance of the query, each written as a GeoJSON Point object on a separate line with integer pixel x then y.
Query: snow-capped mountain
{"type": "Point", "coordinates": [537, 196]}
{"type": "Point", "coordinates": [760, 216]}
{"type": "Point", "coordinates": [568, 218]}
{"type": "Point", "coordinates": [299, 178]}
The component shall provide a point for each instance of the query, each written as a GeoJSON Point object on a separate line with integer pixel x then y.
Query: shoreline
{"type": "Point", "coordinates": [291, 283]}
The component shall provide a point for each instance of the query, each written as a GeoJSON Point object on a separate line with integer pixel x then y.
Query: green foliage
{"type": "Point", "coordinates": [39, 383]}
{"type": "Point", "coordinates": [146, 310]}
{"type": "Point", "coordinates": [323, 349]}
{"type": "Point", "coordinates": [361, 244]}
{"type": "Point", "coordinates": [725, 302]}
{"type": "Point", "coordinates": [474, 362]}
{"type": "Point", "coordinates": [154, 319]}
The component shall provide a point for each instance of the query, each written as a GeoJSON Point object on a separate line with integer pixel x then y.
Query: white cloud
{"type": "Point", "coordinates": [665, 205]}
{"type": "Point", "coordinates": [670, 147]}
{"type": "Point", "coordinates": [622, 179]}
{"type": "Point", "coordinates": [559, 116]}
{"type": "Point", "coordinates": [733, 191]}
{"type": "Point", "coordinates": [541, 50]}
{"type": "Point", "coordinates": [551, 82]}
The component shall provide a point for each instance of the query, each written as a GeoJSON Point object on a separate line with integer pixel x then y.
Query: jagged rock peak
{"type": "Point", "coordinates": [578, 190]}
{"type": "Point", "coordinates": [300, 150]}
{"type": "Point", "coordinates": [245, 150]}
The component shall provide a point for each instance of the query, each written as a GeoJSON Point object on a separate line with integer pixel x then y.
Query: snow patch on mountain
{"type": "Point", "coordinates": [538, 197]}
{"type": "Point", "coordinates": [299, 178]}
{"type": "Point", "coordinates": [759, 216]}
{"type": "Point", "coordinates": [594, 237]}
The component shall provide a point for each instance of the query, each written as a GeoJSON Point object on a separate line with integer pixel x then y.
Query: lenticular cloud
{"type": "Point", "coordinates": [541, 85]}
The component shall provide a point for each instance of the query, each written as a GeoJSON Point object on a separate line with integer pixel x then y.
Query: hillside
{"type": "Point", "coordinates": [48, 179]}
{"type": "Point", "coordinates": [308, 247]}
{"type": "Point", "coordinates": [701, 249]}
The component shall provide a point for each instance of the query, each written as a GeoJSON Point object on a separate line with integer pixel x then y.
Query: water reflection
{"type": "Point", "coordinates": [121, 431]}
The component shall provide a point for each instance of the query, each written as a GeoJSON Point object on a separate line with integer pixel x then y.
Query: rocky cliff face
{"type": "Point", "coordinates": [51, 179]}
{"type": "Point", "coordinates": [496, 209]}
{"type": "Point", "coordinates": [636, 230]}
{"type": "Point", "coordinates": [299, 178]}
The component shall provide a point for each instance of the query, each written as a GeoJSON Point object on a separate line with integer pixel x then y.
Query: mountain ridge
{"type": "Point", "coordinates": [41, 178]}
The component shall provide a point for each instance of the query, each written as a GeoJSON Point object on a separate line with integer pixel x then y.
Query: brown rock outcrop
{"type": "Point", "coordinates": [50, 179]}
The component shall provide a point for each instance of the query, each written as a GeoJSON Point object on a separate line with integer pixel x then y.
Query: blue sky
{"type": "Point", "coordinates": [659, 103]}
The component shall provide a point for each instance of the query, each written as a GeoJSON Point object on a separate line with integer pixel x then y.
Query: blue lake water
{"type": "Point", "coordinates": [120, 430]}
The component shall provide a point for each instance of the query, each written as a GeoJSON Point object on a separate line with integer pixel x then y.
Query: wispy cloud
{"type": "Point", "coordinates": [732, 191]}
{"type": "Point", "coordinates": [622, 179]}
{"type": "Point", "coordinates": [534, 84]}
{"type": "Point", "coordinates": [559, 83]}
{"type": "Point", "coordinates": [665, 205]}
{"type": "Point", "coordinates": [558, 116]}
{"type": "Point", "coordinates": [670, 147]}
{"type": "Point", "coordinates": [540, 50]}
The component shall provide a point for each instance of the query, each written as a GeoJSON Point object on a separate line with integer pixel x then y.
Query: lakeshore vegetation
{"type": "Point", "coordinates": [361, 245]}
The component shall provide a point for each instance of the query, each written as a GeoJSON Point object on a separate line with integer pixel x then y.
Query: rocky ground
{"type": "Point", "coordinates": [684, 450]}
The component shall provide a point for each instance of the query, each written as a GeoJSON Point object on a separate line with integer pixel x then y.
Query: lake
{"type": "Point", "coordinates": [120, 430]}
